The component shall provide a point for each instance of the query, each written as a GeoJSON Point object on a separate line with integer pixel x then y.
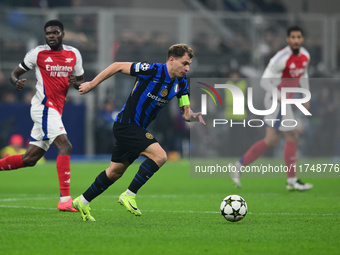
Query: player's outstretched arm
{"type": "Point", "coordinates": [189, 116]}
{"type": "Point", "coordinates": [117, 67]}
{"type": "Point", "coordinates": [18, 83]}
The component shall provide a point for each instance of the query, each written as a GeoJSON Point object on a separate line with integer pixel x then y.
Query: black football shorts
{"type": "Point", "coordinates": [131, 140]}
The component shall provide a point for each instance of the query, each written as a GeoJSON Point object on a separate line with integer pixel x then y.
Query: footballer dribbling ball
{"type": "Point", "coordinates": [233, 208]}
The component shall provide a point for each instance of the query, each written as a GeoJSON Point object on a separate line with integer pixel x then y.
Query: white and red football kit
{"type": "Point", "coordinates": [51, 69]}
{"type": "Point", "coordinates": [284, 70]}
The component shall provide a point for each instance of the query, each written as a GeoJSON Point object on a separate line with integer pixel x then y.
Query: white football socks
{"type": "Point", "coordinates": [129, 193]}
{"type": "Point", "coordinates": [292, 180]}
{"type": "Point", "coordinates": [83, 200]}
{"type": "Point", "coordinates": [64, 199]}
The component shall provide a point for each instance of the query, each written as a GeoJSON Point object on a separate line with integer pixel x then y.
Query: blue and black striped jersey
{"type": "Point", "coordinates": [153, 89]}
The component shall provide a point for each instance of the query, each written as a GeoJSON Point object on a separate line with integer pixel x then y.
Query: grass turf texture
{"type": "Point", "coordinates": [180, 215]}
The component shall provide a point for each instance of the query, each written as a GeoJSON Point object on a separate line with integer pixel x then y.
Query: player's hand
{"type": "Point", "coordinates": [197, 116]}
{"type": "Point", "coordinates": [20, 84]}
{"type": "Point", "coordinates": [72, 80]}
{"type": "Point", "coordinates": [85, 87]}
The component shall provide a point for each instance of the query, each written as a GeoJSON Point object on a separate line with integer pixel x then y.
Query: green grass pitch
{"type": "Point", "coordinates": [180, 215]}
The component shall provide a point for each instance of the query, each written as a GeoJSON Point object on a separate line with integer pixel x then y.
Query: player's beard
{"type": "Point", "coordinates": [296, 51]}
{"type": "Point", "coordinates": [57, 46]}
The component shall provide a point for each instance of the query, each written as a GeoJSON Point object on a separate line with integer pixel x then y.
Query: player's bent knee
{"type": "Point", "coordinates": [69, 148]}
{"type": "Point", "coordinates": [161, 158]}
{"type": "Point", "coordinates": [165, 157]}
{"type": "Point", "coordinates": [66, 149]}
{"type": "Point", "coordinates": [273, 143]}
{"type": "Point", "coordinates": [114, 173]}
{"type": "Point", "coordinates": [29, 161]}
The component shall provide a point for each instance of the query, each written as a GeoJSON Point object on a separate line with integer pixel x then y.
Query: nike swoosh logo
{"type": "Point", "coordinates": [134, 208]}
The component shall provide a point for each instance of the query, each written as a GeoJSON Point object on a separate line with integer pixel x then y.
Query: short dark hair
{"type": "Point", "coordinates": [179, 50]}
{"type": "Point", "coordinates": [294, 28]}
{"type": "Point", "coordinates": [56, 23]}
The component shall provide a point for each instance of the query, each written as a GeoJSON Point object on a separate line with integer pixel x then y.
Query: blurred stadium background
{"type": "Point", "coordinates": [226, 35]}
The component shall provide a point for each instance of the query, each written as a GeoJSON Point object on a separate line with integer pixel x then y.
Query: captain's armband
{"type": "Point", "coordinates": [183, 100]}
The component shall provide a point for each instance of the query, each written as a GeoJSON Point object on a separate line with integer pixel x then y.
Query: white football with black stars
{"type": "Point", "coordinates": [233, 208]}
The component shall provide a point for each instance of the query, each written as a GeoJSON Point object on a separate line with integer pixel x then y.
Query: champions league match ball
{"type": "Point", "coordinates": [233, 208]}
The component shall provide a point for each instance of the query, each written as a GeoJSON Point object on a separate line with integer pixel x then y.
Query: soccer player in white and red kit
{"type": "Point", "coordinates": [57, 66]}
{"type": "Point", "coordinates": [288, 68]}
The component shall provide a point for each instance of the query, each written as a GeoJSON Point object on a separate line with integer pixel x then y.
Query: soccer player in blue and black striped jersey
{"type": "Point", "coordinates": [156, 84]}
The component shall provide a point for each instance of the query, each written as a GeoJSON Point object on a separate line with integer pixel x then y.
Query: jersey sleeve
{"type": "Point", "coordinates": [304, 81]}
{"type": "Point", "coordinates": [271, 77]}
{"type": "Point", "coordinates": [184, 88]}
{"type": "Point", "coordinates": [143, 70]}
{"type": "Point", "coordinates": [183, 95]}
{"type": "Point", "coordinates": [30, 60]}
{"type": "Point", "coordinates": [78, 69]}
{"type": "Point", "coordinates": [275, 66]}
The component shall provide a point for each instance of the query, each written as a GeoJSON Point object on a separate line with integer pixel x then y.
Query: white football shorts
{"type": "Point", "coordinates": [278, 121]}
{"type": "Point", "coordinates": [47, 126]}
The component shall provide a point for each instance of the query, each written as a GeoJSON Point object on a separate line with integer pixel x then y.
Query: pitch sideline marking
{"type": "Point", "coordinates": [169, 211]}
{"type": "Point", "coordinates": [25, 197]}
